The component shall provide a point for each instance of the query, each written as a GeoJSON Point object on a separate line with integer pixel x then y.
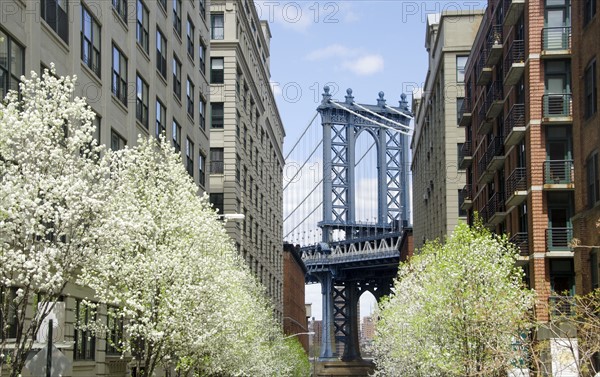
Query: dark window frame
{"type": "Point", "coordinates": [590, 89]}
{"type": "Point", "coordinates": [119, 76]}
{"type": "Point", "coordinates": [142, 27]}
{"type": "Point", "coordinates": [161, 118]}
{"type": "Point", "coordinates": [592, 180]}
{"type": "Point", "coordinates": [217, 29]}
{"type": "Point", "coordinates": [9, 74]}
{"type": "Point", "coordinates": [217, 75]}
{"type": "Point", "coordinates": [217, 160]}
{"type": "Point", "coordinates": [141, 100]}
{"type": "Point", "coordinates": [85, 340]}
{"type": "Point", "coordinates": [177, 17]}
{"type": "Point", "coordinates": [177, 77]}
{"type": "Point", "coordinates": [217, 115]}
{"type": "Point", "coordinates": [176, 135]}
{"type": "Point", "coordinates": [56, 15]}
{"type": "Point", "coordinates": [161, 53]}
{"type": "Point", "coordinates": [88, 42]}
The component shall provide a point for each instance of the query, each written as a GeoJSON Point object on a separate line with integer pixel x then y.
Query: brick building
{"type": "Point", "coordinates": [294, 309]}
{"type": "Point", "coordinates": [586, 141]}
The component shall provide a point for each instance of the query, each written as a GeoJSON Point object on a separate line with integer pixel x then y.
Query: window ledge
{"type": "Point", "coordinates": [191, 59]}
{"type": "Point", "coordinates": [177, 99]}
{"type": "Point", "coordinates": [55, 36]}
{"type": "Point", "coordinates": [142, 51]}
{"type": "Point", "coordinates": [141, 126]}
{"type": "Point", "coordinates": [119, 19]}
{"type": "Point", "coordinates": [118, 102]}
{"type": "Point", "coordinates": [97, 79]}
{"type": "Point", "coordinates": [161, 77]}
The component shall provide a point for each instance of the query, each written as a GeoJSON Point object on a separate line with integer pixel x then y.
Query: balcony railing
{"type": "Point", "coordinates": [464, 116]}
{"type": "Point", "coordinates": [514, 118]}
{"type": "Point", "coordinates": [556, 38]}
{"type": "Point", "coordinates": [514, 62]}
{"type": "Point", "coordinates": [494, 99]}
{"type": "Point", "coordinates": [561, 305]}
{"type": "Point", "coordinates": [557, 105]}
{"type": "Point", "coordinates": [558, 172]}
{"type": "Point", "coordinates": [521, 240]}
{"type": "Point", "coordinates": [517, 181]}
{"type": "Point", "coordinates": [484, 72]}
{"type": "Point", "coordinates": [495, 147]}
{"type": "Point", "coordinates": [496, 206]}
{"type": "Point", "coordinates": [559, 239]}
{"type": "Point", "coordinates": [494, 44]}
{"type": "Point", "coordinates": [467, 192]}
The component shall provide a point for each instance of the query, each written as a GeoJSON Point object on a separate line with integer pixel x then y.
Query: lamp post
{"type": "Point", "coordinates": [232, 216]}
{"type": "Point", "coordinates": [300, 333]}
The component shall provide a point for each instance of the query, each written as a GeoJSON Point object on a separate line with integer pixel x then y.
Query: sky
{"type": "Point", "coordinates": [367, 45]}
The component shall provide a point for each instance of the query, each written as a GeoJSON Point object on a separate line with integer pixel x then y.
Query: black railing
{"type": "Point", "coordinates": [558, 238]}
{"type": "Point", "coordinates": [558, 172]}
{"type": "Point", "coordinates": [466, 193]}
{"type": "Point", "coordinates": [466, 149]}
{"type": "Point", "coordinates": [496, 204]}
{"type": "Point", "coordinates": [482, 164]}
{"type": "Point", "coordinates": [494, 93]}
{"type": "Point", "coordinates": [514, 118]}
{"type": "Point", "coordinates": [557, 105]}
{"type": "Point", "coordinates": [561, 305]}
{"type": "Point", "coordinates": [494, 37]}
{"type": "Point", "coordinates": [517, 181]}
{"type": "Point", "coordinates": [556, 38]}
{"type": "Point", "coordinates": [521, 240]}
{"type": "Point", "coordinates": [515, 54]}
{"type": "Point", "coordinates": [495, 147]}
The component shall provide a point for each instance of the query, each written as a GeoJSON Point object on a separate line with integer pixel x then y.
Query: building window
{"type": "Point", "coordinates": [201, 169]}
{"type": "Point", "coordinates": [216, 161]}
{"type": "Point", "coordinates": [12, 64]}
{"type": "Point", "coordinates": [217, 115]}
{"type": "Point", "coordinates": [216, 199]}
{"type": "Point", "coordinates": [114, 338]}
{"type": "Point", "coordinates": [161, 119]}
{"type": "Point", "coordinates": [161, 53]}
{"type": "Point", "coordinates": [177, 16]}
{"type": "Point", "coordinates": [217, 66]}
{"type": "Point", "coordinates": [163, 4]}
{"type": "Point", "coordinates": [176, 77]}
{"type": "Point", "coordinates": [593, 184]}
{"type": "Point", "coordinates": [189, 156]}
{"type": "Point", "coordinates": [589, 11]}
{"type": "Point", "coordinates": [590, 90]}
{"type": "Point", "coordinates": [119, 74]}
{"type": "Point", "coordinates": [85, 340]}
{"type": "Point", "coordinates": [141, 31]}
{"type": "Point", "coordinates": [120, 6]}
{"type": "Point", "coordinates": [176, 136]}
{"type": "Point", "coordinates": [55, 13]}
{"type": "Point", "coordinates": [217, 27]}
{"type": "Point", "coordinates": [461, 62]}
{"type": "Point", "coordinates": [90, 41]}
{"type": "Point", "coordinates": [190, 97]}
{"type": "Point", "coordinates": [190, 38]}
{"type": "Point", "coordinates": [202, 55]}
{"type": "Point", "coordinates": [202, 113]}
{"type": "Point", "coordinates": [141, 100]}
{"type": "Point", "coordinates": [116, 141]}
{"type": "Point", "coordinates": [238, 163]}
{"type": "Point", "coordinates": [459, 105]}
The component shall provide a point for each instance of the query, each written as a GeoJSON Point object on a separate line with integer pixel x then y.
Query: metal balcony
{"type": "Point", "coordinates": [485, 175]}
{"type": "Point", "coordinates": [485, 123]}
{"type": "Point", "coordinates": [514, 63]}
{"type": "Point", "coordinates": [495, 153]}
{"type": "Point", "coordinates": [559, 239]}
{"type": "Point", "coordinates": [513, 9]}
{"type": "Point", "coordinates": [516, 187]}
{"type": "Point", "coordinates": [494, 100]}
{"type": "Point", "coordinates": [521, 240]}
{"type": "Point", "coordinates": [556, 41]}
{"type": "Point", "coordinates": [496, 209]}
{"type": "Point", "coordinates": [558, 108]}
{"type": "Point", "coordinates": [494, 45]}
{"type": "Point", "coordinates": [465, 115]}
{"type": "Point", "coordinates": [484, 72]}
{"type": "Point", "coordinates": [466, 155]}
{"type": "Point", "coordinates": [561, 306]}
{"type": "Point", "coordinates": [558, 175]}
{"type": "Point", "coordinates": [514, 125]}
{"type": "Point", "coordinates": [466, 197]}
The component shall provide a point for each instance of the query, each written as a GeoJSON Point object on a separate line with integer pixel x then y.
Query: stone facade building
{"type": "Point", "coordinates": [246, 139]}
{"type": "Point", "coordinates": [438, 140]}
{"type": "Point", "coordinates": [142, 65]}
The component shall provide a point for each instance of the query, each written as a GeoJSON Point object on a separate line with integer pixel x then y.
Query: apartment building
{"type": "Point", "coordinates": [586, 141]}
{"type": "Point", "coordinates": [141, 64]}
{"type": "Point", "coordinates": [439, 138]}
{"type": "Point", "coordinates": [246, 138]}
{"type": "Point", "coordinates": [518, 116]}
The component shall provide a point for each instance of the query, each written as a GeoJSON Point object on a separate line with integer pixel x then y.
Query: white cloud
{"type": "Point", "coordinates": [355, 60]}
{"type": "Point", "coordinates": [365, 65]}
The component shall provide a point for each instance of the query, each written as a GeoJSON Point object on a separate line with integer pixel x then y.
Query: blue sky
{"type": "Point", "coordinates": [367, 45]}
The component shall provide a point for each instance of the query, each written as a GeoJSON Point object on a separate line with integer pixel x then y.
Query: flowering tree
{"type": "Point", "coordinates": [169, 269]}
{"type": "Point", "coordinates": [457, 309]}
{"type": "Point", "coordinates": [51, 191]}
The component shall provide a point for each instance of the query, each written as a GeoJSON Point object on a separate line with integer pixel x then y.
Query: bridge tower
{"type": "Point", "coordinates": [367, 257]}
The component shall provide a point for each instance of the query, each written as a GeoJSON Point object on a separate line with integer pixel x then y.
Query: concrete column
{"type": "Point", "coordinates": [327, 338]}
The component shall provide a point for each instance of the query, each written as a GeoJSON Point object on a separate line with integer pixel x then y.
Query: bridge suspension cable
{"type": "Point", "coordinates": [399, 112]}
{"type": "Point", "coordinates": [304, 219]}
{"type": "Point", "coordinates": [381, 116]}
{"type": "Point", "coordinates": [303, 165]}
{"type": "Point", "coordinates": [368, 119]}
{"type": "Point", "coordinates": [304, 200]}
{"type": "Point", "coordinates": [301, 136]}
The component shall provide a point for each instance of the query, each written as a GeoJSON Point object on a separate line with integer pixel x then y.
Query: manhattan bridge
{"type": "Point", "coordinates": [348, 207]}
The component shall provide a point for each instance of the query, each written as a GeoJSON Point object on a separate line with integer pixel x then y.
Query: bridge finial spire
{"type": "Point", "coordinates": [349, 97]}
{"type": "Point", "coordinates": [326, 94]}
{"type": "Point", "coordinates": [403, 102]}
{"type": "Point", "coordinates": [381, 100]}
